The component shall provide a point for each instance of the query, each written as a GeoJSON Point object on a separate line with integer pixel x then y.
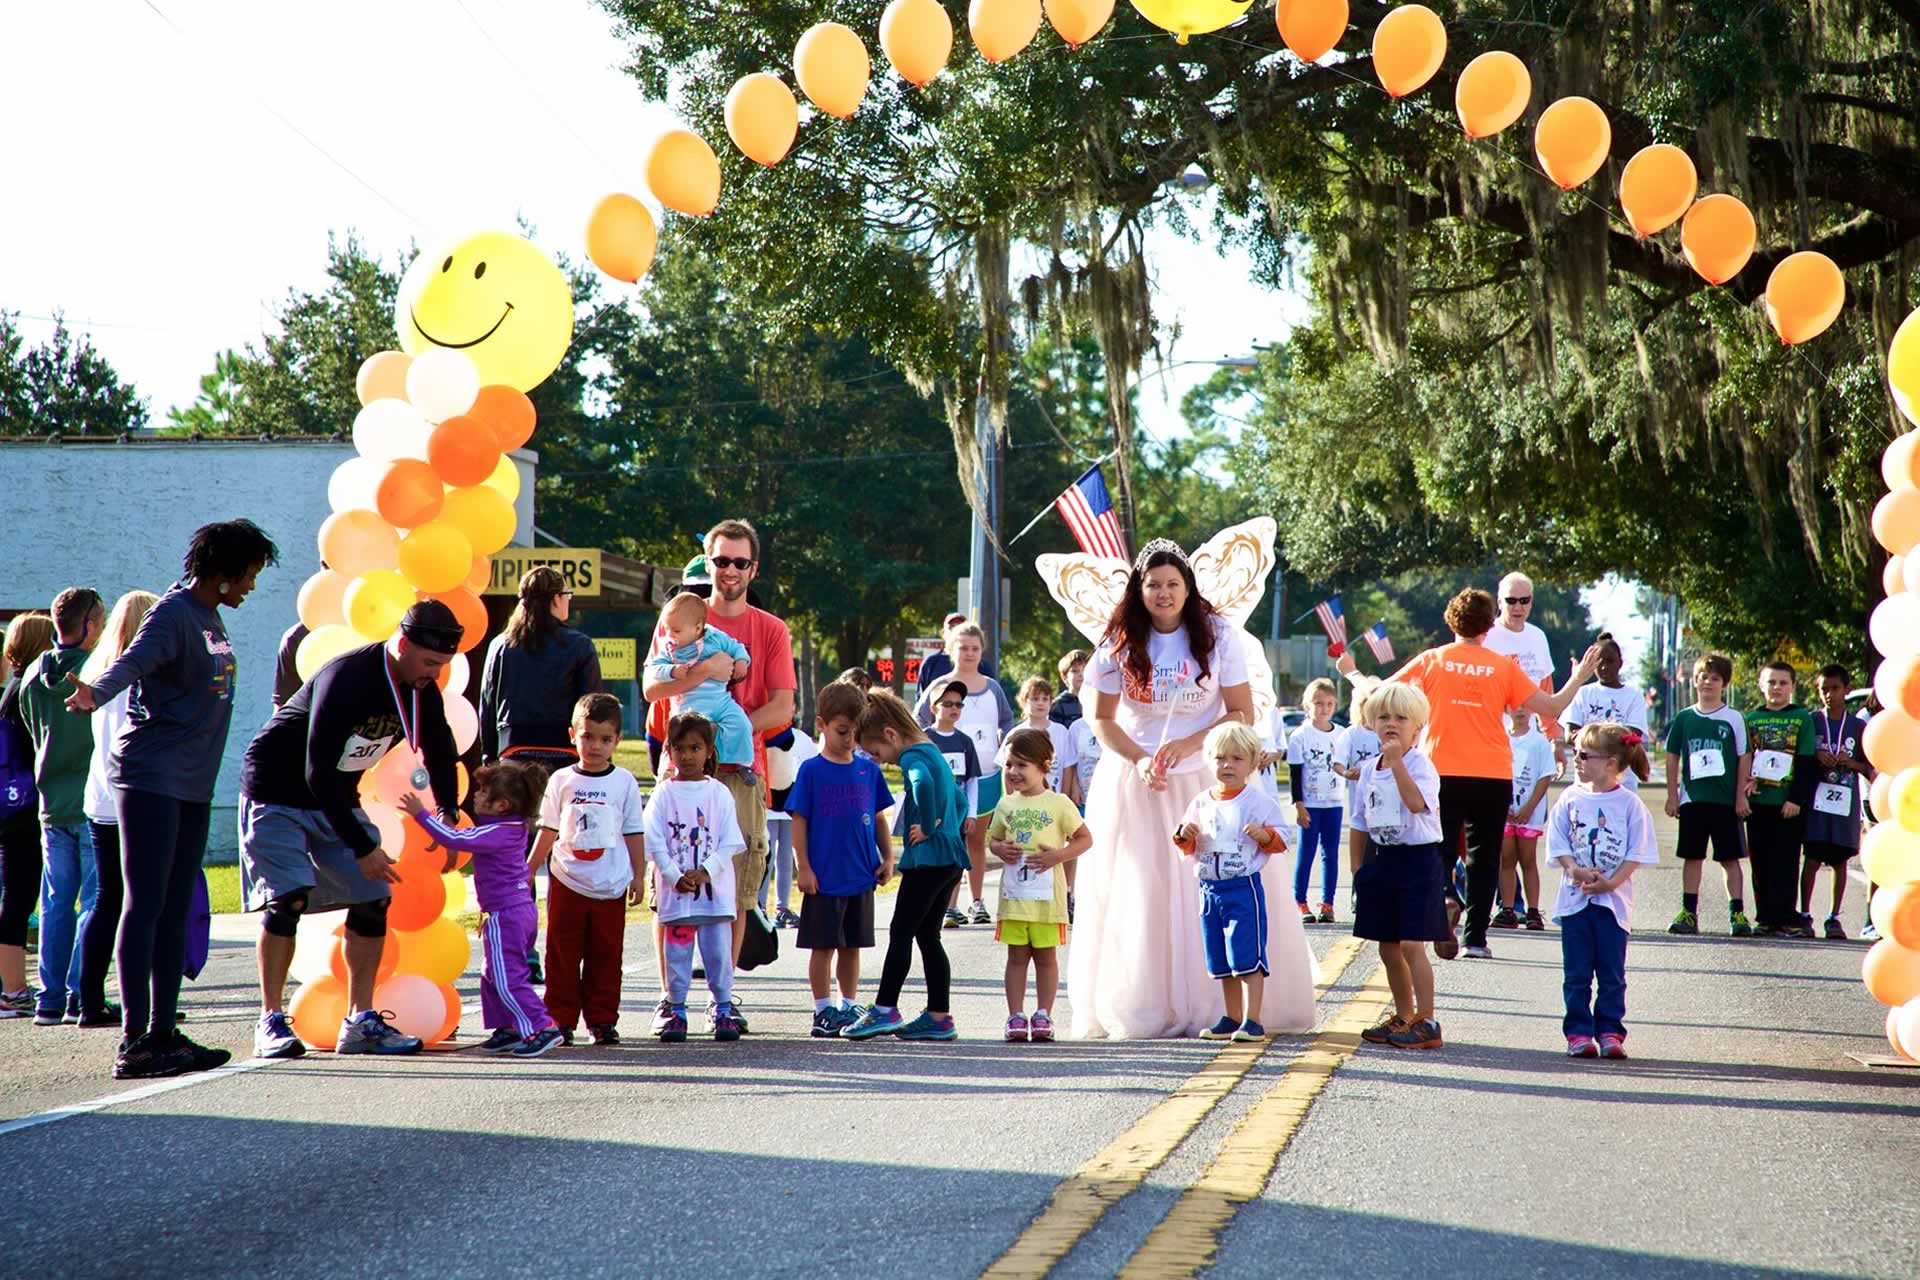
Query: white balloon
{"type": "Point", "coordinates": [1910, 571]}
{"type": "Point", "coordinates": [1907, 1027]}
{"type": "Point", "coordinates": [459, 674]}
{"type": "Point", "coordinates": [354, 484]}
{"type": "Point", "coordinates": [392, 826]}
{"type": "Point", "coordinates": [442, 384]}
{"type": "Point", "coordinates": [388, 430]}
{"type": "Point", "coordinates": [464, 721]}
{"type": "Point", "coordinates": [1894, 626]}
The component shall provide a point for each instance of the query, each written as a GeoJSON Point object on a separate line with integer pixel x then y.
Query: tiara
{"type": "Point", "coordinates": [1154, 548]}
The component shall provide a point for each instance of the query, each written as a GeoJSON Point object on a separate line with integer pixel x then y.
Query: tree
{"type": "Point", "coordinates": [63, 386]}
{"type": "Point", "coordinates": [221, 401]}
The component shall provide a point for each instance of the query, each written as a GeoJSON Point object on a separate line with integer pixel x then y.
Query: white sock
{"type": "Point", "coordinates": [822, 1005]}
{"type": "Point", "coordinates": [1044, 1013]}
{"type": "Point", "coordinates": [1018, 1013]}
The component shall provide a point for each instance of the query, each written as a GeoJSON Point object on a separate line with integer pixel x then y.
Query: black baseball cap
{"type": "Point", "coordinates": [432, 625]}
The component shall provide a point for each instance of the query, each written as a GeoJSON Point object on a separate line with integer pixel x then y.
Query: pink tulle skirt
{"type": "Point", "coordinates": [1135, 965]}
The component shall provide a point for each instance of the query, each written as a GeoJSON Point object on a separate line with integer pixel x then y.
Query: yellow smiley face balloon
{"type": "Point", "coordinates": [494, 298]}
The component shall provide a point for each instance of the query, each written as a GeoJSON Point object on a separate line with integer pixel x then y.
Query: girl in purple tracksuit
{"type": "Point", "coordinates": [507, 797]}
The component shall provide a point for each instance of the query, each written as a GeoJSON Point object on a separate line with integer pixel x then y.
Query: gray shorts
{"type": "Point", "coordinates": [284, 850]}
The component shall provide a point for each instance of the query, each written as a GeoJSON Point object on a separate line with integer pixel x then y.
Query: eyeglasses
{"type": "Point", "coordinates": [1519, 599]}
{"type": "Point", "coordinates": [730, 562]}
{"type": "Point", "coordinates": [957, 706]}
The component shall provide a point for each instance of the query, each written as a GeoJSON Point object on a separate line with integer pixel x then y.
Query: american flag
{"type": "Point", "coordinates": [1089, 512]}
{"type": "Point", "coordinates": [1377, 641]}
{"type": "Point", "coordinates": [1332, 621]}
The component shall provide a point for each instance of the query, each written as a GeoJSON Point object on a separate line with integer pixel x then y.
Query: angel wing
{"type": "Point", "coordinates": [1087, 587]}
{"type": "Point", "coordinates": [1233, 567]}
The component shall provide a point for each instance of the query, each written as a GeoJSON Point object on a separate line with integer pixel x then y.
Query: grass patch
{"type": "Point", "coordinates": [223, 888]}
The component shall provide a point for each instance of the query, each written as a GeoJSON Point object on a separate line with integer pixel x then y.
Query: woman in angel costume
{"type": "Point", "coordinates": [1172, 660]}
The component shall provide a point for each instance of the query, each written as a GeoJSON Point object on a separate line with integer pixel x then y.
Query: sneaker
{"type": "Point", "coordinates": [826, 1024]}
{"type": "Point", "coordinates": [501, 1040]}
{"type": "Point", "coordinates": [1449, 947]}
{"type": "Point", "coordinates": [1306, 912]}
{"type": "Point", "coordinates": [536, 976]}
{"type": "Point", "coordinates": [1870, 933]}
{"type": "Point", "coordinates": [199, 1057]}
{"type": "Point", "coordinates": [1582, 1047]}
{"type": "Point", "coordinates": [1685, 922]}
{"type": "Point", "coordinates": [17, 1004]}
{"type": "Point", "coordinates": [49, 1017]}
{"type": "Point", "coordinates": [1382, 1031]}
{"type": "Point", "coordinates": [604, 1037]}
{"type": "Point", "coordinates": [1477, 951]}
{"type": "Point", "coordinates": [539, 1042]}
{"type": "Point", "coordinates": [928, 1027]}
{"type": "Point", "coordinates": [1424, 1034]}
{"type": "Point", "coordinates": [874, 1022]}
{"type": "Point", "coordinates": [1249, 1031]}
{"type": "Point", "coordinates": [1769, 931]}
{"type": "Point", "coordinates": [144, 1058]}
{"type": "Point", "coordinates": [725, 1026]}
{"type": "Point", "coordinates": [1221, 1030]}
{"type": "Point", "coordinates": [1803, 921]}
{"type": "Point", "coordinates": [1506, 919]}
{"type": "Point", "coordinates": [979, 914]}
{"type": "Point", "coordinates": [1836, 932]}
{"type": "Point", "coordinates": [1018, 1028]}
{"type": "Point", "coordinates": [1738, 924]}
{"type": "Point", "coordinates": [273, 1037]}
{"type": "Point", "coordinates": [674, 1029]}
{"type": "Point", "coordinates": [1613, 1046]}
{"type": "Point", "coordinates": [954, 919]}
{"type": "Point", "coordinates": [371, 1033]}
{"type": "Point", "coordinates": [1326, 913]}
{"type": "Point", "coordinates": [106, 1016]}
{"type": "Point", "coordinates": [1040, 1027]}
{"type": "Point", "coordinates": [787, 919]}
{"type": "Point", "coordinates": [1534, 920]}
{"type": "Point", "coordinates": [662, 1014]}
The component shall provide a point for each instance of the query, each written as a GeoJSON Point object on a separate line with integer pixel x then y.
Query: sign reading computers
{"type": "Point", "coordinates": [579, 567]}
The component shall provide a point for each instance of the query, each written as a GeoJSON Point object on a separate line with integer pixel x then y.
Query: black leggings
{"type": "Point", "coordinates": [919, 909]}
{"type": "Point", "coordinates": [1480, 807]}
{"type": "Point", "coordinates": [102, 925]}
{"type": "Point", "coordinates": [20, 859]}
{"type": "Point", "coordinates": [163, 841]}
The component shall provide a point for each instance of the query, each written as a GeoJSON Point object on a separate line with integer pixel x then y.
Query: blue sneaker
{"type": "Point", "coordinates": [849, 1015]}
{"type": "Point", "coordinates": [371, 1033]}
{"type": "Point", "coordinates": [1249, 1031]}
{"type": "Point", "coordinates": [274, 1037]}
{"type": "Point", "coordinates": [928, 1027]}
{"type": "Point", "coordinates": [826, 1024]}
{"type": "Point", "coordinates": [539, 1042]}
{"type": "Point", "coordinates": [1221, 1030]}
{"type": "Point", "coordinates": [875, 1022]}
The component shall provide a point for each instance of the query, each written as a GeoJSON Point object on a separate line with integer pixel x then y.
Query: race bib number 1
{"type": "Point", "coordinates": [1025, 883]}
{"type": "Point", "coordinates": [1383, 805]}
{"type": "Point", "coordinates": [1706, 762]}
{"type": "Point", "coordinates": [1772, 766]}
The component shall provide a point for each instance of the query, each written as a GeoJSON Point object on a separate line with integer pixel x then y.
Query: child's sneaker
{"type": "Point", "coordinates": [1506, 919]}
{"type": "Point", "coordinates": [273, 1037]}
{"type": "Point", "coordinates": [1326, 913]}
{"type": "Point", "coordinates": [850, 1013]}
{"type": "Point", "coordinates": [1018, 1028]}
{"type": "Point", "coordinates": [1221, 1030]}
{"type": "Point", "coordinates": [662, 1015]}
{"type": "Point", "coordinates": [928, 1027]}
{"type": "Point", "coordinates": [1306, 912]}
{"type": "Point", "coordinates": [107, 1016]}
{"type": "Point", "coordinates": [1685, 922]}
{"type": "Point", "coordinates": [826, 1024]}
{"type": "Point", "coordinates": [17, 1004]}
{"type": "Point", "coordinates": [1040, 1026]}
{"type": "Point", "coordinates": [954, 919]}
{"type": "Point", "coordinates": [371, 1033]}
{"type": "Point", "coordinates": [1738, 924]}
{"type": "Point", "coordinates": [1534, 920]}
{"type": "Point", "coordinates": [979, 914]}
{"type": "Point", "coordinates": [1424, 1034]}
{"type": "Point", "coordinates": [150, 1058]}
{"type": "Point", "coordinates": [500, 1041]}
{"type": "Point", "coordinates": [1582, 1047]}
{"type": "Point", "coordinates": [1249, 1031]}
{"type": "Point", "coordinates": [1382, 1031]}
{"type": "Point", "coordinates": [1836, 932]}
{"type": "Point", "coordinates": [874, 1022]}
{"type": "Point", "coordinates": [786, 918]}
{"type": "Point", "coordinates": [1870, 933]}
{"type": "Point", "coordinates": [538, 1043]}
{"type": "Point", "coordinates": [1613, 1046]}
{"type": "Point", "coordinates": [725, 1026]}
{"type": "Point", "coordinates": [675, 1030]}
{"type": "Point", "coordinates": [604, 1037]}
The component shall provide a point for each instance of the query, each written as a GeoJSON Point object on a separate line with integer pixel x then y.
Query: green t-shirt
{"type": "Point", "coordinates": [1709, 744]}
{"type": "Point", "coordinates": [1787, 732]}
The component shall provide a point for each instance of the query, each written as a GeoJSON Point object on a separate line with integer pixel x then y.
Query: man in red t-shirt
{"type": "Point", "coordinates": [766, 694]}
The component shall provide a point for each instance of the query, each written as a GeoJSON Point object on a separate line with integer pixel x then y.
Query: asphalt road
{"type": "Point", "coordinates": [1739, 1140]}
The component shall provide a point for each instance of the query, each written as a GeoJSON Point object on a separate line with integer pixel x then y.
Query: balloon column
{"type": "Point", "coordinates": [1891, 851]}
{"type": "Point", "coordinates": [417, 515]}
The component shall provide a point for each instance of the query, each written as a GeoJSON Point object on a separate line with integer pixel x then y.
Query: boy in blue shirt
{"type": "Point", "coordinates": [841, 849]}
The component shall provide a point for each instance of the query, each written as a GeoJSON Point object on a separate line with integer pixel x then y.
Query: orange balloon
{"type": "Point", "coordinates": [383, 376]}
{"type": "Point", "coordinates": [451, 1023]}
{"type": "Point", "coordinates": [763, 118]}
{"type": "Point", "coordinates": [417, 900]}
{"type": "Point", "coordinates": [1804, 296]}
{"type": "Point", "coordinates": [472, 614]}
{"type": "Point", "coordinates": [318, 1009]}
{"type": "Point", "coordinates": [1657, 188]}
{"type": "Point", "coordinates": [1571, 141]}
{"type": "Point", "coordinates": [1896, 914]}
{"type": "Point", "coordinates": [833, 68]}
{"type": "Point", "coordinates": [1492, 93]}
{"type": "Point", "coordinates": [1900, 463]}
{"type": "Point", "coordinates": [357, 542]}
{"type": "Point", "coordinates": [337, 955]}
{"type": "Point", "coordinates": [1891, 972]}
{"type": "Point", "coordinates": [438, 951]}
{"type": "Point", "coordinates": [917, 37]}
{"type": "Point", "coordinates": [410, 494]}
{"type": "Point", "coordinates": [621, 237]}
{"type": "Point", "coordinates": [1408, 47]}
{"type": "Point", "coordinates": [1897, 681]}
{"type": "Point", "coordinates": [1896, 520]}
{"type": "Point", "coordinates": [1717, 237]}
{"type": "Point", "coordinates": [1078, 21]}
{"type": "Point", "coordinates": [1893, 578]}
{"type": "Point", "coordinates": [321, 600]}
{"type": "Point", "coordinates": [508, 412]}
{"type": "Point", "coordinates": [1002, 28]}
{"type": "Point", "coordinates": [1311, 27]}
{"type": "Point", "coordinates": [482, 575]}
{"type": "Point", "coordinates": [683, 173]}
{"type": "Point", "coordinates": [1892, 741]}
{"type": "Point", "coordinates": [462, 448]}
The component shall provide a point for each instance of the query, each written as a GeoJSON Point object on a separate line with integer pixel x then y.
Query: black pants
{"type": "Point", "coordinates": [1773, 848]}
{"type": "Point", "coordinates": [20, 862]}
{"type": "Point", "coordinates": [103, 922]}
{"type": "Point", "coordinates": [162, 843]}
{"type": "Point", "coordinates": [1478, 808]}
{"type": "Point", "coordinates": [919, 910]}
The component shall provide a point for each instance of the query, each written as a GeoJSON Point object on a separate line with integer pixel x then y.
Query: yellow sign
{"type": "Point", "coordinates": [619, 659]}
{"type": "Point", "coordinates": [579, 566]}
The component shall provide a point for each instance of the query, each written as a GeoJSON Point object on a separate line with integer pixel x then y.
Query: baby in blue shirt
{"type": "Point", "coordinates": [695, 640]}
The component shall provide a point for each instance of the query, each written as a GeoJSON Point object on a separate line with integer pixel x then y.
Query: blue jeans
{"type": "Point", "coordinates": [68, 878]}
{"type": "Point", "coordinates": [1322, 830]}
{"type": "Point", "coordinates": [1593, 948]}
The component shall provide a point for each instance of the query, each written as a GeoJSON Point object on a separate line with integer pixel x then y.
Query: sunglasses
{"type": "Point", "coordinates": [1584, 756]}
{"type": "Point", "coordinates": [957, 706]}
{"type": "Point", "coordinates": [1519, 599]}
{"type": "Point", "coordinates": [730, 562]}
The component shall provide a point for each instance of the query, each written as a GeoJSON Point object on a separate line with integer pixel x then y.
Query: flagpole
{"type": "Point", "coordinates": [1049, 507]}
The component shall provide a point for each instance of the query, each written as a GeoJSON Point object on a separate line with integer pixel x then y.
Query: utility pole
{"type": "Point", "coordinates": [983, 595]}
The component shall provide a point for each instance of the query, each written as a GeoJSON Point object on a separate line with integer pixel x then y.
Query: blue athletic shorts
{"type": "Point", "coordinates": [1233, 925]}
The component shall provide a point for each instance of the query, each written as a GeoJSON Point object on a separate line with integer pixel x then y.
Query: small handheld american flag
{"type": "Point", "coordinates": [1332, 620]}
{"type": "Point", "coordinates": [1088, 511]}
{"type": "Point", "coordinates": [1377, 641]}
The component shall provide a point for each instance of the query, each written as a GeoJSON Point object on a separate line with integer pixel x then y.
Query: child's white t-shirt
{"type": "Point", "coordinates": [591, 816]}
{"type": "Point", "coordinates": [1316, 751]}
{"type": "Point", "coordinates": [1359, 745]}
{"type": "Point", "coordinates": [692, 824]}
{"type": "Point", "coordinates": [1086, 752]}
{"type": "Point", "coordinates": [1600, 829]}
{"type": "Point", "coordinates": [1383, 815]}
{"type": "Point", "coordinates": [1532, 761]}
{"type": "Point", "coordinates": [1597, 704]}
{"type": "Point", "coordinates": [1063, 757]}
{"type": "Point", "coordinates": [1222, 849]}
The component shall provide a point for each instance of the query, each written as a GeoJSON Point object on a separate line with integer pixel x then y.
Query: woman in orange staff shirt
{"type": "Point", "coordinates": [1471, 688]}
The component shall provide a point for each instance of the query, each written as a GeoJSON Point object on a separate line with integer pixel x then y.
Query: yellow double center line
{"type": "Point", "coordinates": [1080, 1201]}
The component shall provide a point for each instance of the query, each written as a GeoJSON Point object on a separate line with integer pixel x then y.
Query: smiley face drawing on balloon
{"type": "Point", "coordinates": [494, 298]}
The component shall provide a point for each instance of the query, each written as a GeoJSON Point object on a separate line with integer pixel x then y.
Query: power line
{"type": "Point", "coordinates": [526, 82]}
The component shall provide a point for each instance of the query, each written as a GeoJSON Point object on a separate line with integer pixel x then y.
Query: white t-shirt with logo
{"type": "Point", "coordinates": [1086, 752]}
{"type": "Point", "coordinates": [1527, 646]}
{"type": "Point", "coordinates": [1532, 761]}
{"type": "Point", "coordinates": [1599, 829]}
{"type": "Point", "coordinates": [1195, 704]}
{"type": "Point", "coordinates": [1222, 849]}
{"type": "Point", "coordinates": [591, 816]}
{"type": "Point", "coordinates": [692, 825]}
{"type": "Point", "coordinates": [1313, 753]}
{"type": "Point", "coordinates": [1383, 814]}
{"type": "Point", "coordinates": [1597, 704]}
{"type": "Point", "coordinates": [1358, 744]}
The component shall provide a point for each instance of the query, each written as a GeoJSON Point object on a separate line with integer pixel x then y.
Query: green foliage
{"type": "Point", "coordinates": [62, 386]}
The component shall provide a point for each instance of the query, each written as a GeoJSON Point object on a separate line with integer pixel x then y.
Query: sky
{"type": "Point", "coordinates": [187, 160]}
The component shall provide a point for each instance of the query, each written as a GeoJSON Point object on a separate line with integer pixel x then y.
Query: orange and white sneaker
{"type": "Point", "coordinates": [1423, 1034]}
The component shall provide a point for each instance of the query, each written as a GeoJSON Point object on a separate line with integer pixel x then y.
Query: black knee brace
{"type": "Point", "coordinates": [283, 914]}
{"type": "Point", "coordinates": [368, 919]}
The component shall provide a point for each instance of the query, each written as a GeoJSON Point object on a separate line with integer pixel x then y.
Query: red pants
{"type": "Point", "coordinates": [585, 937]}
